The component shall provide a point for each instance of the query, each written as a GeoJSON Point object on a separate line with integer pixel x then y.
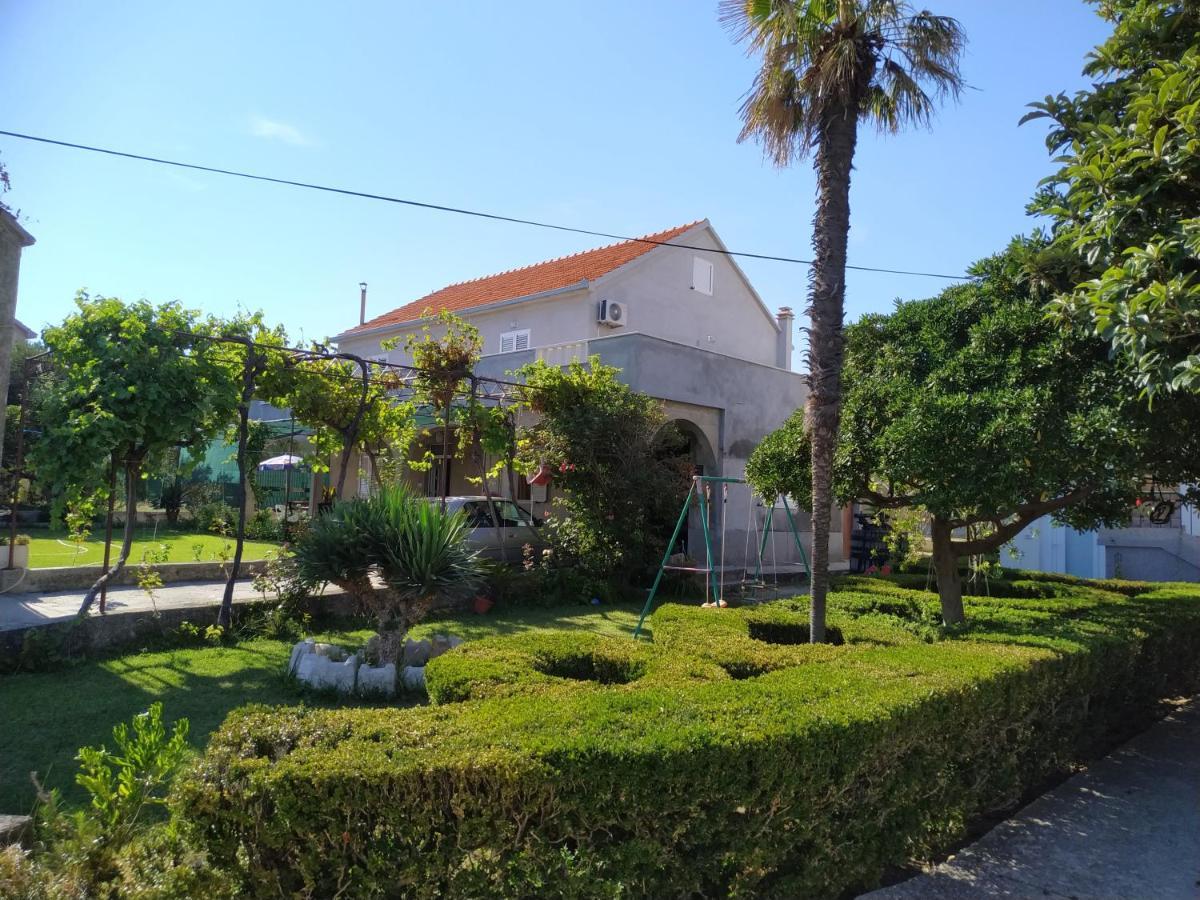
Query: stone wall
{"type": "Point", "coordinates": [96, 633]}
{"type": "Point", "coordinates": [66, 578]}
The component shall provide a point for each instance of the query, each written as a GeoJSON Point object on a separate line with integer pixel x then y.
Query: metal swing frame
{"type": "Point", "coordinates": [697, 493]}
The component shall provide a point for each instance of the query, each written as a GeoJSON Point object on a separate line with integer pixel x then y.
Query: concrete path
{"type": "Point", "coordinates": [1128, 827]}
{"type": "Point", "coordinates": [24, 610]}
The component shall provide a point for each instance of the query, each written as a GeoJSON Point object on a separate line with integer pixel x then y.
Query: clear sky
{"type": "Point", "coordinates": [619, 116]}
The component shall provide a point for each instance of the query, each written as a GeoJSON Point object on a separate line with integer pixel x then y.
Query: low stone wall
{"type": "Point", "coordinates": [80, 637]}
{"type": "Point", "coordinates": [67, 578]}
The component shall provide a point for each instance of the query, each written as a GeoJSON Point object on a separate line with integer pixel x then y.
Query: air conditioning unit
{"type": "Point", "coordinates": [612, 314]}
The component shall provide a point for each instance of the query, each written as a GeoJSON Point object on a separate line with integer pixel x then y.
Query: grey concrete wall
{"type": "Point", "coordinates": [749, 400]}
{"type": "Point", "coordinates": [1150, 554]}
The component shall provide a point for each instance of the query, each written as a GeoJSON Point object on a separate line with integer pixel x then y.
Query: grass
{"type": "Point", "coordinates": [48, 716]}
{"type": "Point", "coordinates": [54, 548]}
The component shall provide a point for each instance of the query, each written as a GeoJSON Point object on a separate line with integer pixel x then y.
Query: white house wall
{"type": "Point", "coordinates": [659, 301]}
{"type": "Point", "coordinates": [657, 292]}
{"type": "Point", "coordinates": [564, 317]}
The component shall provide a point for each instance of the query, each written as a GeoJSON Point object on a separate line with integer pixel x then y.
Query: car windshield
{"type": "Point", "coordinates": [511, 515]}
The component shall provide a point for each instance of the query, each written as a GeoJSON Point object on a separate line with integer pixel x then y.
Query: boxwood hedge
{"type": "Point", "coordinates": [725, 758]}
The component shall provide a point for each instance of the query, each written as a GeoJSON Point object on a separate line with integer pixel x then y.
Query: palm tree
{"type": "Point", "coordinates": [826, 65]}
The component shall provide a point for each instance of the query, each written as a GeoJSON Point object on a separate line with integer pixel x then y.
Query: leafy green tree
{"type": "Point", "coordinates": [976, 408]}
{"type": "Point", "coordinates": [826, 66]}
{"type": "Point", "coordinates": [348, 404]}
{"type": "Point", "coordinates": [1127, 195]}
{"type": "Point", "coordinates": [131, 383]}
{"type": "Point", "coordinates": [617, 491]}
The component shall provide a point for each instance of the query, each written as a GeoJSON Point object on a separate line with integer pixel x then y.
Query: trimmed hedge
{"type": "Point", "coordinates": [723, 759]}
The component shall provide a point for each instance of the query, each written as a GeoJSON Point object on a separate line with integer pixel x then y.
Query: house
{"type": "Point", "coordinates": [678, 317]}
{"type": "Point", "coordinates": [1161, 543]}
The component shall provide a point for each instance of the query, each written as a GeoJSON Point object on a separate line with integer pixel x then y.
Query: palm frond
{"type": "Point", "coordinates": [819, 58]}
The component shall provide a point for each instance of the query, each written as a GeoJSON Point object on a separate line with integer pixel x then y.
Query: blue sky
{"type": "Point", "coordinates": [618, 116]}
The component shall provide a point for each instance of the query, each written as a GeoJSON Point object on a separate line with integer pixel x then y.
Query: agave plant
{"type": "Point", "coordinates": [395, 554]}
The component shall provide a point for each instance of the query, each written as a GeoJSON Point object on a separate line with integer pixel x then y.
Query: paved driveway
{"type": "Point", "coordinates": [1128, 827]}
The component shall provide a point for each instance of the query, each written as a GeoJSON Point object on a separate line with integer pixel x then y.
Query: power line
{"type": "Point", "coordinates": [456, 210]}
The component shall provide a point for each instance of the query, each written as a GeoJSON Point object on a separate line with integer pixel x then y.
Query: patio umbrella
{"type": "Point", "coordinates": [276, 463]}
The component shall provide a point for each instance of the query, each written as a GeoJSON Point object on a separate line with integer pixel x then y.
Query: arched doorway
{"type": "Point", "coordinates": [687, 442]}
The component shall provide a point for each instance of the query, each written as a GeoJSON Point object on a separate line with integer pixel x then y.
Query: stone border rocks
{"type": "Point", "coordinates": [327, 667]}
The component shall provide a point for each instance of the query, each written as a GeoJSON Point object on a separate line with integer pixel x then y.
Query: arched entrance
{"type": "Point", "coordinates": [689, 442]}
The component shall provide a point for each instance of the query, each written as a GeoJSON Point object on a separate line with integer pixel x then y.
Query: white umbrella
{"type": "Point", "coordinates": [286, 461]}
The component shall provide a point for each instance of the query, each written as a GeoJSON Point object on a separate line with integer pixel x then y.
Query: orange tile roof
{"type": "Point", "coordinates": [536, 279]}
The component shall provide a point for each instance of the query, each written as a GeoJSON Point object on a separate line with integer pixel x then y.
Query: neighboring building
{"type": "Point", "coordinates": [1167, 550]}
{"type": "Point", "coordinates": [683, 324]}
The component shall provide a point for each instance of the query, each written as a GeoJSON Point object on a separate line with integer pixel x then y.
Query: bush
{"type": "Point", "coordinates": [87, 853]}
{"type": "Point", "coordinates": [263, 526]}
{"type": "Point", "coordinates": [215, 516]}
{"type": "Point", "coordinates": [725, 758]}
{"type": "Point", "coordinates": [416, 548]}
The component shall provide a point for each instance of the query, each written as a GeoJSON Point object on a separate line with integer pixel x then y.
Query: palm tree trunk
{"type": "Point", "coordinates": [827, 295]}
{"type": "Point", "coordinates": [945, 567]}
{"type": "Point", "coordinates": [132, 471]}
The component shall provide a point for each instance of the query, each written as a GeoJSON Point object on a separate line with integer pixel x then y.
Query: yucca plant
{"type": "Point", "coordinates": [416, 551]}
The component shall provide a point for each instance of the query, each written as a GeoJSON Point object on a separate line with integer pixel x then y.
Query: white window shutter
{"type": "Point", "coordinates": [512, 341]}
{"type": "Point", "coordinates": [702, 275]}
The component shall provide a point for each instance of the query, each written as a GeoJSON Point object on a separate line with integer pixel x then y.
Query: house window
{"type": "Point", "coordinates": [512, 341]}
{"type": "Point", "coordinates": [702, 275]}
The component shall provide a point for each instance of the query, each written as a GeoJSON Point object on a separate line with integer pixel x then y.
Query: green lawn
{"type": "Point", "coordinates": [54, 548]}
{"type": "Point", "coordinates": [47, 716]}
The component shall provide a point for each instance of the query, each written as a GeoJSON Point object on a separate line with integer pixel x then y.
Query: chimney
{"type": "Point", "coordinates": [783, 343]}
{"type": "Point", "coordinates": [362, 302]}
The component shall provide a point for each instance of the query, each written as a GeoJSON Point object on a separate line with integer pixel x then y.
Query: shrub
{"type": "Point", "coordinates": [722, 759]}
{"type": "Point", "coordinates": [83, 853]}
{"type": "Point", "coordinates": [263, 526]}
{"type": "Point", "coordinates": [416, 548]}
{"type": "Point", "coordinates": [620, 469]}
{"type": "Point", "coordinates": [214, 516]}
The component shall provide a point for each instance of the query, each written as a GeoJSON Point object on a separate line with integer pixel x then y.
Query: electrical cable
{"type": "Point", "coordinates": [439, 207]}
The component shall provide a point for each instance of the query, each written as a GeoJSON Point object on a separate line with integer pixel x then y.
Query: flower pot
{"type": "Point", "coordinates": [20, 556]}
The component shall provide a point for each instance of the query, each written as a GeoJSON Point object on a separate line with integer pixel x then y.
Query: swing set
{"type": "Point", "coordinates": [700, 494]}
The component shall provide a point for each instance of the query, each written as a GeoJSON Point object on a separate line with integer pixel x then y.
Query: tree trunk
{"type": "Point", "coordinates": [493, 509]}
{"type": "Point", "coordinates": [225, 615]}
{"type": "Point", "coordinates": [132, 470]}
{"type": "Point", "coordinates": [373, 464]}
{"type": "Point", "coordinates": [350, 435]}
{"type": "Point", "coordinates": [827, 295]}
{"type": "Point", "coordinates": [945, 566]}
